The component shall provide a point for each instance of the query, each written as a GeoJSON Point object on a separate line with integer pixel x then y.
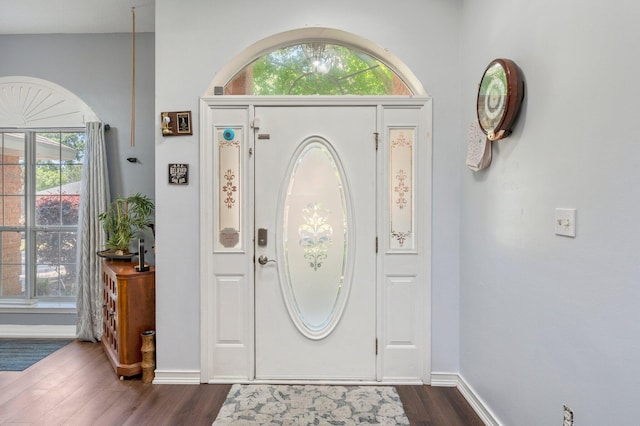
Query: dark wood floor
{"type": "Point", "coordinates": [77, 386]}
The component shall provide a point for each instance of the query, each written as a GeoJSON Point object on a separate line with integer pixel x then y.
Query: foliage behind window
{"type": "Point", "coordinates": [317, 69]}
{"type": "Point", "coordinates": [40, 176]}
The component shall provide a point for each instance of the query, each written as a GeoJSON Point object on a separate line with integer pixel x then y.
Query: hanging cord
{"type": "Point", "coordinates": [133, 77]}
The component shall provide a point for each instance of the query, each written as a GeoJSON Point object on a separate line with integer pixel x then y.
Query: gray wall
{"type": "Point", "coordinates": [97, 68]}
{"type": "Point", "coordinates": [193, 43]}
{"type": "Point", "coordinates": [549, 320]}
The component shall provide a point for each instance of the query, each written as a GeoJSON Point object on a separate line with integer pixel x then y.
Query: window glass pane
{"type": "Point", "coordinates": [48, 179]}
{"type": "Point", "coordinates": [68, 263]}
{"type": "Point", "coordinates": [401, 184]}
{"type": "Point", "coordinates": [48, 247]}
{"type": "Point", "coordinates": [48, 268]}
{"type": "Point", "coordinates": [57, 176]}
{"type": "Point", "coordinates": [12, 210]}
{"type": "Point", "coordinates": [229, 141]}
{"type": "Point", "coordinates": [12, 264]}
{"type": "Point", "coordinates": [70, 207]}
{"type": "Point", "coordinates": [315, 237]}
{"type": "Point", "coordinates": [316, 68]}
{"type": "Point", "coordinates": [48, 209]}
{"type": "Point", "coordinates": [12, 179]}
{"type": "Point", "coordinates": [71, 175]}
{"type": "Point", "coordinates": [12, 163]}
{"type": "Point", "coordinates": [59, 162]}
{"type": "Point", "coordinates": [49, 280]}
{"type": "Point", "coordinates": [13, 148]}
{"type": "Point", "coordinates": [55, 267]}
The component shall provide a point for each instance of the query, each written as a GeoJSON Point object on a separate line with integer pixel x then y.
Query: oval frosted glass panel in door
{"type": "Point", "coordinates": [315, 239]}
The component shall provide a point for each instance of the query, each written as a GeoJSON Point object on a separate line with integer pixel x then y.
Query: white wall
{"type": "Point", "coordinates": [194, 41]}
{"type": "Point", "coordinates": [549, 320]}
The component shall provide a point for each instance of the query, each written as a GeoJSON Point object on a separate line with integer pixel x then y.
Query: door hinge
{"type": "Point", "coordinates": [376, 244]}
{"type": "Point", "coordinates": [376, 134]}
{"type": "Point", "coordinates": [376, 346]}
{"type": "Point", "coordinates": [250, 152]}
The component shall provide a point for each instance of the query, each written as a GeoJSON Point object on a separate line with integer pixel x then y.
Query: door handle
{"type": "Point", "coordinates": [263, 260]}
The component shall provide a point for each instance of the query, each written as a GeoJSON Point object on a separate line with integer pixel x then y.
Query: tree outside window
{"type": "Point", "coordinates": [40, 200]}
{"type": "Point", "coordinates": [317, 68]}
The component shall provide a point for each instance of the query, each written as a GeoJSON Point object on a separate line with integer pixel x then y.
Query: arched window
{"type": "Point", "coordinates": [316, 68]}
{"type": "Point", "coordinates": [42, 139]}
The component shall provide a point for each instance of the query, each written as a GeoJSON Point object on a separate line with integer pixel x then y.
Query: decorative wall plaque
{"type": "Point", "coordinates": [179, 174]}
{"type": "Point", "coordinates": [176, 123]}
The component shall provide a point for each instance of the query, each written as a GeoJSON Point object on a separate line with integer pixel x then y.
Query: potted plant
{"type": "Point", "coordinates": [123, 221]}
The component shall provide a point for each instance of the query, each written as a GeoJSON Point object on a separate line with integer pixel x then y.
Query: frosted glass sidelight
{"type": "Point", "coordinates": [229, 188]}
{"type": "Point", "coordinates": [401, 189]}
{"type": "Point", "coordinates": [315, 239]}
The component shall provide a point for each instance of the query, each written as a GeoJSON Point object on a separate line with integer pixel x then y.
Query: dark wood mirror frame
{"type": "Point", "coordinates": [515, 96]}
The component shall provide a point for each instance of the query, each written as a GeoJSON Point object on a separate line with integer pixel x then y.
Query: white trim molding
{"type": "Point", "coordinates": [38, 331]}
{"type": "Point", "coordinates": [445, 380]}
{"type": "Point", "coordinates": [28, 102]}
{"type": "Point", "coordinates": [177, 377]}
{"type": "Point", "coordinates": [478, 405]}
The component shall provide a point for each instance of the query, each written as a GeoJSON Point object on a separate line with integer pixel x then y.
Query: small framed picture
{"type": "Point", "coordinates": [179, 174]}
{"type": "Point", "coordinates": [176, 123]}
{"type": "Point", "coordinates": [184, 123]}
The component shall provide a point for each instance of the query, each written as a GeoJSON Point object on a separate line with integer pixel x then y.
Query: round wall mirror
{"type": "Point", "coordinates": [500, 94]}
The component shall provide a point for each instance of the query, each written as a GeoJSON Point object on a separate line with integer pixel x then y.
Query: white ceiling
{"type": "Point", "coordinates": [75, 16]}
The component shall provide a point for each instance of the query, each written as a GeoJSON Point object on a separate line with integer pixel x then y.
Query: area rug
{"type": "Point", "coordinates": [20, 354]}
{"type": "Point", "coordinates": [290, 405]}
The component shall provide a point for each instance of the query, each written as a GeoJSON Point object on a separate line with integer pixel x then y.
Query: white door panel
{"type": "Point", "coordinates": [315, 180]}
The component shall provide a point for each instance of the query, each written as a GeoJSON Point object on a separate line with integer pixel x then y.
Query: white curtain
{"type": "Point", "coordinates": [94, 200]}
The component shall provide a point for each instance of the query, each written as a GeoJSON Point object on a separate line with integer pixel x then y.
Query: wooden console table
{"type": "Point", "coordinates": [129, 308]}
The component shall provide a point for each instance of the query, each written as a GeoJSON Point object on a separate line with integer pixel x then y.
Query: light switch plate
{"type": "Point", "coordinates": [565, 222]}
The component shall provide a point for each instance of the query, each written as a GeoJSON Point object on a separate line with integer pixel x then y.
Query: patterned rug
{"type": "Point", "coordinates": [290, 405]}
{"type": "Point", "coordinates": [20, 354]}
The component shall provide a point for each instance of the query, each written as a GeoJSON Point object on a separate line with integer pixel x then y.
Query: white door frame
{"type": "Point", "coordinates": [227, 347]}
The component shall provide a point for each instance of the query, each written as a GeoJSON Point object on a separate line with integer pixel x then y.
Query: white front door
{"type": "Point", "coordinates": [315, 232]}
{"type": "Point", "coordinates": [297, 184]}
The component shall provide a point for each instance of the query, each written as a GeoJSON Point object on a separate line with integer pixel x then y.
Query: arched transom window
{"type": "Point", "coordinates": [316, 68]}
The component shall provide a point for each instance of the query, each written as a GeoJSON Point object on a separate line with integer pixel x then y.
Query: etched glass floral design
{"type": "Point", "coordinates": [401, 188]}
{"type": "Point", "coordinates": [229, 188]}
{"type": "Point", "coordinates": [315, 234]}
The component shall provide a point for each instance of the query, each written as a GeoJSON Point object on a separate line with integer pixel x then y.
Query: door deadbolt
{"type": "Point", "coordinates": [262, 237]}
